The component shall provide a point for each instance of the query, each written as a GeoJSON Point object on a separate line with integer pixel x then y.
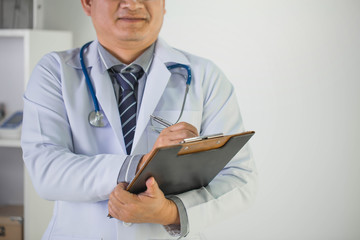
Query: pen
{"type": "Point", "coordinates": [161, 121]}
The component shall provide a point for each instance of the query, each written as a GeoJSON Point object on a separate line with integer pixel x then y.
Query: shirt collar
{"type": "Point", "coordinates": [109, 61]}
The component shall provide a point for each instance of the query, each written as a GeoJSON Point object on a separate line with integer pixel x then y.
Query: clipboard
{"type": "Point", "coordinates": [188, 165]}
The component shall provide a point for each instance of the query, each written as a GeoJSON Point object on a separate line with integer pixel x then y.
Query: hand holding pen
{"type": "Point", "coordinates": [172, 134]}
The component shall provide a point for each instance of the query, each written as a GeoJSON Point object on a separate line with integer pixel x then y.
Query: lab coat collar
{"type": "Point", "coordinates": [163, 51]}
{"type": "Point", "coordinates": [169, 55]}
{"type": "Point", "coordinates": [91, 57]}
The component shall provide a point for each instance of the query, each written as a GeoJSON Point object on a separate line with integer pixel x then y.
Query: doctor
{"type": "Point", "coordinates": [84, 168]}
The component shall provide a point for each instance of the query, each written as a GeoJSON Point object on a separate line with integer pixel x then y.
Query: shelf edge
{"type": "Point", "coordinates": [10, 143]}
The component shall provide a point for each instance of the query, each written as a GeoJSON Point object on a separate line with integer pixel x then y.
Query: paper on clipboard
{"type": "Point", "coordinates": [186, 166]}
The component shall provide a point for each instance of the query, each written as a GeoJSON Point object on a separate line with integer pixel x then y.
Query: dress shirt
{"type": "Point", "coordinates": [128, 169]}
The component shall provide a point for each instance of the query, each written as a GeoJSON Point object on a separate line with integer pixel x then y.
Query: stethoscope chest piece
{"type": "Point", "coordinates": [98, 119]}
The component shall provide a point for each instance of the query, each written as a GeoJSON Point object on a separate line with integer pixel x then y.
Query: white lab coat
{"type": "Point", "coordinates": [77, 165]}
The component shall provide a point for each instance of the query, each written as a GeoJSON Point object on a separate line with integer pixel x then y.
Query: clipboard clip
{"type": "Point", "coordinates": [199, 138]}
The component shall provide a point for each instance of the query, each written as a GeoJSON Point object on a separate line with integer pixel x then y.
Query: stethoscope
{"type": "Point", "coordinates": [97, 117]}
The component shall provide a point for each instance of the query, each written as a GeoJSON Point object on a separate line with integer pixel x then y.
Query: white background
{"type": "Point", "coordinates": [295, 66]}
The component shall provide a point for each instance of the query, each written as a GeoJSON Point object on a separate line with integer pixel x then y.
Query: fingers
{"type": "Point", "coordinates": [122, 185]}
{"type": "Point", "coordinates": [119, 202]}
{"type": "Point", "coordinates": [152, 189]}
{"type": "Point", "coordinates": [114, 210]}
{"type": "Point", "coordinates": [123, 212]}
{"type": "Point", "coordinates": [181, 126]}
{"type": "Point", "coordinates": [145, 207]}
{"type": "Point", "coordinates": [120, 196]}
{"type": "Point", "coordinates": [175, 134]}
{"type": "Point", "coordinates": [150, 182]}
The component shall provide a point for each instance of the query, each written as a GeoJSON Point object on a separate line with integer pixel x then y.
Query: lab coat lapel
{"type": "Point", "coordinates": [155, 85]}
{"type": "Point", "coordinates": [104, 92]}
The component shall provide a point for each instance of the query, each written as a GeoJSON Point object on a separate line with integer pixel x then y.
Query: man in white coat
{"type": "Point", "coordinates": [84, 168]}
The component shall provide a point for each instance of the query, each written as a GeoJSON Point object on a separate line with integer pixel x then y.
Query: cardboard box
{"type": "Point", "coordinates": [11, 222]}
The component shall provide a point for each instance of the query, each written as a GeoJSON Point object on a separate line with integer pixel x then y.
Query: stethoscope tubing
{"type": "Point", "coordinates": [186, 67]}
{"type": "Point", "coordinates": [87, 77]}
{"type": "Point", "coordinates": [188, 81]}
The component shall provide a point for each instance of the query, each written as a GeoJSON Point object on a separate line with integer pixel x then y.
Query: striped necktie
{"type": "Point", "coordinates": [127, 104]}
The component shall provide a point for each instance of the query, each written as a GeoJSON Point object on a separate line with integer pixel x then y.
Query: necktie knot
{"type": "Point", "coordinates": [128, 77]}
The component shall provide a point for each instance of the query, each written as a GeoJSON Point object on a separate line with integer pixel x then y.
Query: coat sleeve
{"type": "Point", "coordinates": [56, 171]}
{"type": "Point", "coordinates": [234, 188]}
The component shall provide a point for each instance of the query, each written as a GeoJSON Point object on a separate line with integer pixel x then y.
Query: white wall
{"type": "Point", "coordinates": [295, 66]}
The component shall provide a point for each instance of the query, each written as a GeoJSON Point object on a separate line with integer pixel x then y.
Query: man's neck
{"type": "Point", "coordinates": [126, 52]}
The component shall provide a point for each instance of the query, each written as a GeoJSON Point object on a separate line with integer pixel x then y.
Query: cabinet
{"type": "Point", "coordinates": [20, 50]}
